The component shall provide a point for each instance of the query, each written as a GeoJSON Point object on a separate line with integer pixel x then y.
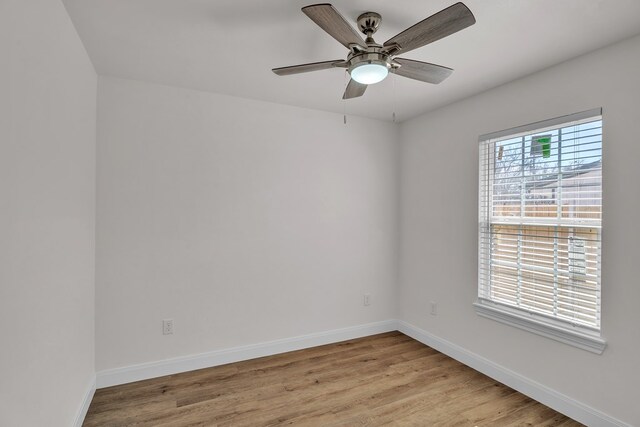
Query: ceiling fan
{"type": "Point", "coordinates": [369, 62]}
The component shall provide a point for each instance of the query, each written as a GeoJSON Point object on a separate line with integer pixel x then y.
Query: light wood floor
{"type": "Point", "coordinates": [387, 379]}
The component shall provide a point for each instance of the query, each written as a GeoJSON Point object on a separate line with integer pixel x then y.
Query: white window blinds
{"type": "Point", "coordinates": [540, 220]}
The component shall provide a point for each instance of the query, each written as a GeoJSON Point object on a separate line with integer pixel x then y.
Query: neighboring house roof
{"type": "Point", "coordinates": [587, 174]}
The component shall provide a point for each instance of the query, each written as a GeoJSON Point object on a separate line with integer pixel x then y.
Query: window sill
{"type": "Point", "coordinates": [574, 338]}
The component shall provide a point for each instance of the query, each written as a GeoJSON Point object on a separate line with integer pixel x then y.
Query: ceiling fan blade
{"type": "Point", "coordinates": [305, 68]}
{"type": "Point", "coordinates": [330, 20]}
{"type": "Point", "coordinates": [423, 71]}
{"type": "Point", "coordinates": [442, 24]}
{"type": "Point", "coordinates": [354, 90]}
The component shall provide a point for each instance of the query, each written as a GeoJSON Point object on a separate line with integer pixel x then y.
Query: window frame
{"type": "Point", "coordinates": [580, 336]}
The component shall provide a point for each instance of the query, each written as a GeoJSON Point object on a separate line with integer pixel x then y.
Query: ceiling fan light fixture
{"type": "Point", "coordinates": [369, 62]}
{"type": "Point", "coordinates": [369, 73]}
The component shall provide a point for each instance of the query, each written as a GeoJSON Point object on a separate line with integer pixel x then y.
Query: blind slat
{"type": "Point", "coordinates": [540, 213]}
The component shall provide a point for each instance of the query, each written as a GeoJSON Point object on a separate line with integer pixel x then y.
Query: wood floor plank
{"type": "Point", "coordinates": [386, 379]}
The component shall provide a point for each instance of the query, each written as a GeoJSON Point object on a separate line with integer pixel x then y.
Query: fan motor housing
{"type": "Point", "coordinates": [368, 58]}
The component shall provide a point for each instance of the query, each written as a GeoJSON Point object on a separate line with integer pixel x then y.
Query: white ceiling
{"type": "Point", "coordinates": [230, 46]}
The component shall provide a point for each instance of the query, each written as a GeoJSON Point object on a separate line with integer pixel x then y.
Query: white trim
{"type": "Point", "coordinates": [559, 333]}
{"type": "Point", "coordinates": [553, 399]}
{"type": "Point", "coordinates": [88, 397]}
{"type": "Point", "coordinates": [160, 368]}
{"type": "Point", "coordinates": [541, 125]}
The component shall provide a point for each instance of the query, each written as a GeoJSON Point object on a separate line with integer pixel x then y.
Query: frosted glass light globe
{"type": "Point", "coordinates": [369, 74]}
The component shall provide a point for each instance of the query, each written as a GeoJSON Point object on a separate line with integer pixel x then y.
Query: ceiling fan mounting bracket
{"type": "Point", "coordinates": [369, 22]}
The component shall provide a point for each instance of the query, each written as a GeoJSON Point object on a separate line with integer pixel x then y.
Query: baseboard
{"type": "Point", "coordinates": [82, 413]}
{"type": "Point", "coordinates": [160, 368]}
{"type": "Point", "coordinates": [558, 401]}
{"type": "Point", "coordinates": [553, 399]}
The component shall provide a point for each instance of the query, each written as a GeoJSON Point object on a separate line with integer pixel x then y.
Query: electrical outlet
{"type": "Point", "coordinates": [434, 308]}
{"type": "Point", "coordinates": [367, 299]}
{"type": "Point", "coordinates": [167, 326]}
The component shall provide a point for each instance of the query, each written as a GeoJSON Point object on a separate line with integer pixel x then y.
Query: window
{"type": "Point", "coordinates": [540, 222]}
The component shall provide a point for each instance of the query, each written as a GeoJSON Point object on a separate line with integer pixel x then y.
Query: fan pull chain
{"type": "Point", "coordinates": [344, 101]}
{"type": "Point", "coordinates": [393, 88]}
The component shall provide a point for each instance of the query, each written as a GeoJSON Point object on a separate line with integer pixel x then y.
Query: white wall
{"type": "Point", "coordinates": [439, 200]}
{"type": "Point", "coordinates": [47, 215]}
{"type": "Point", "coordinates": [246, 221]}
{"type": "Point", "coordinates": [243, 221]}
